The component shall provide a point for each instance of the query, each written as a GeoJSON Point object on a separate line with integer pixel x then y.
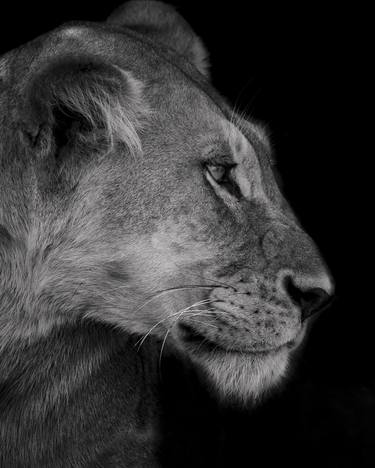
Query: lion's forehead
{"type": "Point", "coordinates": [184, 100]}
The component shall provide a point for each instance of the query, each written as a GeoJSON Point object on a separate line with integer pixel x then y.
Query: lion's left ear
{"type": "Point", "coordinates": [81, 102]}
{"type": "Point", "coordinates": [161, 23]}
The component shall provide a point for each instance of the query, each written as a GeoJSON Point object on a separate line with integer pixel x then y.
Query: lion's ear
{"type": "Point", "coordinates": [81, 104]}
{"type": "Point", "coordinates": [163, 24]}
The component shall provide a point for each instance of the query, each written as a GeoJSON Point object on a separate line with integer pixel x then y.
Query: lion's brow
{"type": "Point", "coordinates": [219, 149]}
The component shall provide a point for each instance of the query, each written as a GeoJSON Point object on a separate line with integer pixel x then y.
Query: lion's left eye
{"type": "Point", "coordinates": [218, 172]}
{"type": "Point", "coordinates": [222, 175]}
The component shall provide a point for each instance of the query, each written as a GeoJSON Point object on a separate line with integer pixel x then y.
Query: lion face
{"type": "Point", "coordinates": [155, 207]}
{"type": "Point", "coordinates": [223, 258]}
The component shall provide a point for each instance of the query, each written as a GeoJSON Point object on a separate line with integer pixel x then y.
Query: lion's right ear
{"type": "Point", "coordinates": [161, 23]}
{"type": "Point", "coordinates": [81, 104]}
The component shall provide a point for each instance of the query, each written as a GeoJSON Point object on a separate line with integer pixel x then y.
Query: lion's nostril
{"type": "Point", "coordinates": [310, 301]}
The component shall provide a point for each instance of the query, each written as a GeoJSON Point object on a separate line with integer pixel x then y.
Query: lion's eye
{"type": "Point", "coordinates": [221, 174]}
{"type": "Point", "coordinates": [218, 172]}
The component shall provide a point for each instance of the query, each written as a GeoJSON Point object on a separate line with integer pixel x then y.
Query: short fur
{"type": "Point", "coordinates": [119, 250]}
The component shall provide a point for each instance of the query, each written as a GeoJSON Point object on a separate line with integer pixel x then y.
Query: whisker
{"type": "Point", "coordinates": [200, 312]}
{"type": "Point", "coordinates": [157, 294]}
{"type": "Point", "coordinates": [170, 329]}
{"type": "Point", "coordinates": [205, 301]}
{"type": "Point", "coordinates": [179, 288]}
{"type": "Point", "coordinates": [205, 323]}
{"type": "Point", "coordinates": [162, 348]}
{"type": "Point", "coordinates": [142, 339]}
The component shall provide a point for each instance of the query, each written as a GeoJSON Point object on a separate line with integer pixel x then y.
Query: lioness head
{"type": "Point", "coordinates": [131, 193]}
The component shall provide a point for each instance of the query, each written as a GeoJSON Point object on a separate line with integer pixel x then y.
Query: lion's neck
{"type": "Point", "coordinates": [39, 362]}
{"type": "Point", "coordinates": [86, 393]}
{"type": "Point", "coordinates": [79, 383]}
{"type": "Point", "coordinates": [56, 365]}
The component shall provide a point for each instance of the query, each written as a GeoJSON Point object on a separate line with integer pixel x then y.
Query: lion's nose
{"type": "Point", "coordinates": [311, 296]}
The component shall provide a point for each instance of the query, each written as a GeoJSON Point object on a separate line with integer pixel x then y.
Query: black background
{"type": "Point", "coordinates": [290, 67]}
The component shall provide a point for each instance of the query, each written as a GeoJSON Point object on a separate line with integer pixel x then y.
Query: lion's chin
{"type": "Point", "coordinates": [243, 378]}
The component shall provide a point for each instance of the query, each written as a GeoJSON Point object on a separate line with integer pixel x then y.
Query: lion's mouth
{"type": "Point", "coordinates": [199, 343]}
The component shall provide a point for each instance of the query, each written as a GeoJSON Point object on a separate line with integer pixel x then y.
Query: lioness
{"type": "Point", "coordinates": [139, 219]}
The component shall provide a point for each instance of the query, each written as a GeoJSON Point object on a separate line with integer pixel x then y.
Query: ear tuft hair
{"type": "Point", "coordinates": [88, 102]}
